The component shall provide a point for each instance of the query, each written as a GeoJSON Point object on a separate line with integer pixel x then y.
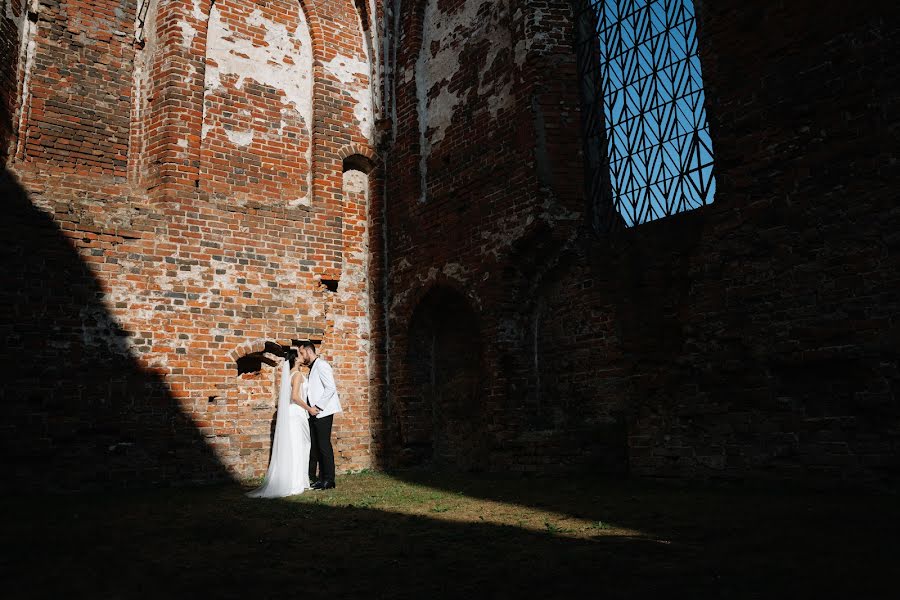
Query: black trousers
{"type": "Point", "coordinates": [320, 450]}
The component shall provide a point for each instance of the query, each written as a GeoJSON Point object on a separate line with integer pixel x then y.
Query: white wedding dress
{"type": "Point", "coordinates": [288, 472]}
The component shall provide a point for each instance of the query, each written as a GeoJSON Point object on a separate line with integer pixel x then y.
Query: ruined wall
{"type": "Point", "coordinates": [754, 337]}
{"type": "Point", "coordinates": [257, 119]}
{"type": "Point", "coordinates": [78, 102]}
{"type": "Point", "coordinates": [181, 199]}
{"type": "Point", "coordinates": [782, 351]}
{"type": "Point", "coordinates": [188, 184]}
{"type": "Point", "coordinates": [481, 114]}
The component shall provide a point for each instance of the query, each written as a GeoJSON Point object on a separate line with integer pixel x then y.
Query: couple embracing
{"type": "Point", "coordinates": [302, 441]}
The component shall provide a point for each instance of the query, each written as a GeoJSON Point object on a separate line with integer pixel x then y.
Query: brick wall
{"type": "Point", "coordinates": [257, 113]}
{"type": "Point", "coordinates": [754, 337]}
{"type": "Point", "coordinates": [780, 315]}
{"type": "Point", "coordinates": [182, 206]}
{"type": "Point", "coordinates": [482, 114]}
{"type": "Point", "coordinates": [79, 103]}
{"type": "Point", "coordinates": [212, 188]}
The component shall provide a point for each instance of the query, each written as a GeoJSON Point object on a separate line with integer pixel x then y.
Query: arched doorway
{"type": "Point", "coordinates": [442, 418]}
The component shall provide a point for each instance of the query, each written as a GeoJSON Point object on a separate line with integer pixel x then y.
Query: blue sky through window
{"type": "Point", "coordinates": [660, 152]}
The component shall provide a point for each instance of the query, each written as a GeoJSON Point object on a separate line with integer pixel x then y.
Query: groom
{"type": "Point", "coordinates": [324, 401]}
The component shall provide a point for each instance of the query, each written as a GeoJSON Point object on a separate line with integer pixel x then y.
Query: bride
{"type": "Point", "coordinates": [288, 472]}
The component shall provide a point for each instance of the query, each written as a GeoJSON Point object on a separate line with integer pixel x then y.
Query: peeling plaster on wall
{"type": "Point", "coordinates": [356, 181]}
{"type": "Point", "coordinates": [27, 30]}
{"type": "Point", "coordinates": [520, 52]}
{"type": "Point", "coordinates": [284, 62]}
{"type": "Point", "coordinates": [355, 282]}
{"type": "Point", "coordinates": [21, 20]}
{"type": "Point", "coordinates": [188, 33]}
{"type": "Point", "coordinates": [399, 299]}
{"type": "Point", "coordinates": [497, 90]}
{"type": "Point", "coordinates": [435, 68]}
{"type": "Point", "coordinates": [560, 214]}
{"type": "Point", "coordinates": [198, 10]}
{"type": "Point", "coordinates": [538, 38]}
{"type": "Point", "coordinates": [373, 55]}
{"type": "Point", "coordinates": [456, 271]}
{"type": "Point", "coordinates": [512, 228]}
{"type": "Point", "coordinates": [231, 53]}
{"type": "Point", "coordinates": [354, 75]}
{"type": "Point", "coordinates": [9, 14]}
{"type": "Point", "coordinates": [240, 138]}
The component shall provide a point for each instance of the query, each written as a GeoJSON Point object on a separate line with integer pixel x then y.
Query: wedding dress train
{"type": "Point", "coordinates": [288, 472]}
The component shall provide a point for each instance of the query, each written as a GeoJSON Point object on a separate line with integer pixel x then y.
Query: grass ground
{"type": "Point", "coordinates": [421, 535]}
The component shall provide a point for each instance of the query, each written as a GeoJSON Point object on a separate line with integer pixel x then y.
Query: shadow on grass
{"type": "Point", "coordinates": [217, 543]}
{"type": "Point", "coordinates": [763, 536]}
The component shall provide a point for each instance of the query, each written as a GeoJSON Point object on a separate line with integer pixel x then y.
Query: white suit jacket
{"type": "Point", "coordinates": [321, 391]}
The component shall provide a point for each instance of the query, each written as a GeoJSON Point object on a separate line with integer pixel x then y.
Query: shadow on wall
{"type": "Point", "coordinates": [78, 409]}
{"type": "Point", "coordinates": [441, 420]}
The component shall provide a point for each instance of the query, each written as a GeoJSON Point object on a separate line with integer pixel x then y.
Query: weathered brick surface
{"type": "Point", "coordinates": [257, 118]}
{"type": "Point", "coordinates": [755, 337]}
{"type": "Point", "coordinates": [78, 110]}
{"type": "Point", "coordinates": [145, 272]}
{"type": "Point", "coordinates": [484, 109]}
{"type": "Point", "coordinates": [780, 300]}
{"type": "Point", "coordinates": [184, 200]}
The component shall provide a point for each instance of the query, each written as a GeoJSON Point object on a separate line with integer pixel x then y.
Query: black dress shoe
{"type": "Point", "coordinates": [317, 485]}
{"type": "Point", "coordinates": [327, 485]}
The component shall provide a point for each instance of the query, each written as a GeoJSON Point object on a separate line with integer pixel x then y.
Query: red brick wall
{"type": "Point", "coordinates": [79, 103]}
{"type": "Point", "coordinates": [137, 286]}
{"type": "Point", "coordinates": [781, 354]}
{"type": "Point", "coordinates": [257, 133]}
{"type": "Point", "coordinates": [483, 113]}
{"type": "Point", "coordinates": [754, 337]}
{"type": "Point", "coordinates": [172, 213]}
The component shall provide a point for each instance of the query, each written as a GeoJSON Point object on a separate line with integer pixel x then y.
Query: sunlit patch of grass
{"type": "Point", "coordinates": [379, 491]}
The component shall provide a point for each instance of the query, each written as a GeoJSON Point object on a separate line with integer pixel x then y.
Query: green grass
{"type": "Point", "coordinates": [416, 535]}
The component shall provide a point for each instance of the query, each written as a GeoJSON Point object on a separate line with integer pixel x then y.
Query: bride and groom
{"type": "Point", "coordinates": [302, 441]}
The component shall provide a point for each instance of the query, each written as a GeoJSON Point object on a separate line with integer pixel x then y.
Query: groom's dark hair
{"type": "Point", "coordinates": [307, 344]}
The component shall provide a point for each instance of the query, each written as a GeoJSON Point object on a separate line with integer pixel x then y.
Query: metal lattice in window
{"type": "Point", "coordinates": [648, 150]}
